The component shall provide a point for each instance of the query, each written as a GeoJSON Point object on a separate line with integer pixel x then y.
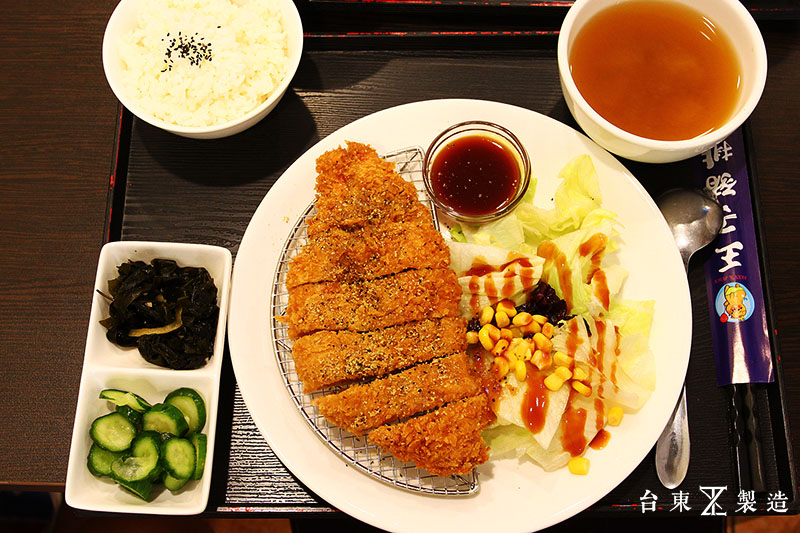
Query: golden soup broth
{"type": "Point", "coordinates": [656, 69]}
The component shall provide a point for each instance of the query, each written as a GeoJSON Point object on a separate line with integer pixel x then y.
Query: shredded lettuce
{"type": "Point", "coordinates": [508, 440]}
{"type": "Point", "coordinates": [457, 234]}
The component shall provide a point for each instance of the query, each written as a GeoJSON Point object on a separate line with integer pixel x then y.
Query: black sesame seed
{"type": "Point", "coordinates": [187, 47]}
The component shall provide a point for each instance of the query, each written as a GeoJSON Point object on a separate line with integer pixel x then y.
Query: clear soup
{"type": "Point", "coordinates": [657, 69]}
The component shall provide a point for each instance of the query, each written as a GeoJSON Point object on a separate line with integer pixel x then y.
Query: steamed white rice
{"type": "Point", "coordinates": [248, 49]}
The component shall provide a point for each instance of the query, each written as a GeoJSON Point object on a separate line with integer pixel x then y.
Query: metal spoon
{"type": "Point", "coordinates": [695, 220]}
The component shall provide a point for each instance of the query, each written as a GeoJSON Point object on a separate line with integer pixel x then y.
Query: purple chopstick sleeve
{"type": "Point", "coordinates": [733, 275]}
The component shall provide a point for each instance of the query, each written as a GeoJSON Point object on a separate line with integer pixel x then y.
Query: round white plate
{"type": "Point", "coordinates": [514, 495]}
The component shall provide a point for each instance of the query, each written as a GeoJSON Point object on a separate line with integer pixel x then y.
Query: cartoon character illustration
{"type": "Point", "coordinates": [734, 302]}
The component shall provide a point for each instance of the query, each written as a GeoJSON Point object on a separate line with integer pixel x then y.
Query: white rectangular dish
{"type": "Point", "coordinates": [108, 366]}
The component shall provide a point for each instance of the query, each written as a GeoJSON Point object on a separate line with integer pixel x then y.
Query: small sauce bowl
{"type": "Point", "coordinates": [476, 171]}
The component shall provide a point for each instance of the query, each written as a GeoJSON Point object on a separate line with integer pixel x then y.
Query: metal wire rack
{"type": "Point", "coordinates": [357, 451]}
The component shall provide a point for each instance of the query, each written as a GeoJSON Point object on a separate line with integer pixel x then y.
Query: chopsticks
{"type": "Point", "coordinates": [746, 437]}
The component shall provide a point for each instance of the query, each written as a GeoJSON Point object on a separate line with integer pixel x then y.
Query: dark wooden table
{"type": "Point", "coordinates": [58, 120]}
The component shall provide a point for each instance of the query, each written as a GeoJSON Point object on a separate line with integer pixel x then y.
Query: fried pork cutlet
{"type": "Point", "coordinates": [444, 442]}
{"type": "Point", "coordinates": [355, 187]}
{"type": "Point", "coordinates": [425, 386]}
{"type": "Point", "coordinates": [327, 358]}
{"type": "Point", "coordinates": [373, 304]}
{"type": "Point", "coordinates": [368, 252]}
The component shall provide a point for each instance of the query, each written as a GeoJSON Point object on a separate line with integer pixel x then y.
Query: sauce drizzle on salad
{"type": "Point", "coordinates": [522, 269]}
{"type": "Point", "coordinates": [600, 283]}
{"type": "Point", "coordinates": [572, 338]}
{"type": "Point", "coordinates": [613, 376]}
{"type": "Point", "coordinates": [600, 366]}
{"type": "Point", "coordinates": [573, 439]}
{"type": "Point", "coordinates": [600, 440]}
{"type": "Point", "coordinates": [534, 405]}
{"type": "Point", "coordinates": [594, 248]}
{"type": "Point", "coordinates": [554, 257]}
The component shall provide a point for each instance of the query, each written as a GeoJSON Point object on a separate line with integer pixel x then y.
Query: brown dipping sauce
{"type": "Point", "coordinates": [475, 175]}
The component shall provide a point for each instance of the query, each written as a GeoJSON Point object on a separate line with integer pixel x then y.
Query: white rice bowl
{"type": "Point", "coordinates": [200, 64]}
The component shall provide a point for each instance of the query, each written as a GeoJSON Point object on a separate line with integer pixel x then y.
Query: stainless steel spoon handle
{"type": "Point", "coordinates": [695, 220]}
{"type": "Point", "coordinates": [672, 449]}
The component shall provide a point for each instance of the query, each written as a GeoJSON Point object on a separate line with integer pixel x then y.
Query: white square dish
{"type": "Point", "coordinates": [107, 366]}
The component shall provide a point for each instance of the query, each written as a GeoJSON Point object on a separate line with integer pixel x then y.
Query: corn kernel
{"type": "Point", "coordinates": [521, 370]}
{"type": "Point", "coordinates": [579, 466]}
{"type": "Point", "coordinates": [501, 319]}
{"type": "Point", "coordinates": [553, 382]}
{"type": "Point", "coordinates": [531, 328]}
{"type": "Point", "coordinates": [485, 338]}
{"type": "Point", "coordinates": [507, 334]}
{"type": "Point", "coordinates": [487, 313]}
{"type": "Point", "coordinates": [507, 307]}
{"type": "Point", "coordinates": [472, 337]}
{"type": "Point", "coordinates": [522, 319]}
{"type": "Point", "coordinates": [542, 360]}
{"type": "Point", "coordinates": [563, 372]}
{"type": "Point", "coordinates": [515, 331]}
{"type": "Point", "coordinates": [547, 330]}
{"type": "Point", "coordinates": [502, 365]}
{"type": "Point", "coordinates": [540, 319]}
{"type": "Point", "coordinates": [499, 347]}
{"type": "Point", "coordinates": [579, 374]}
{"type": "Point", "coordinates": [615, 415]}
{"type": "Point", "coordinates": [494, 332]}
{"type": "Point", "coordinates": [542, 343]}
{"type": "Point", "coordinates": [562, 359]}
{"type": "Point", "coordinates": [581, 388]}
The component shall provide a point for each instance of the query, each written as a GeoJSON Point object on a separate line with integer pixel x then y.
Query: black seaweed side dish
{"type": "Point", "coordinates": [169, 312]}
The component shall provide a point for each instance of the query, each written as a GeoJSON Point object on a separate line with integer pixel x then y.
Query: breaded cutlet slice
{"type": "Point", "coordinates": [373, 304]}
{"type": "Point", "coordinates": [368, 252]}
{"type": "Point", "coordinates": [425, 386]}
{"type": "Point", "coordinates": [327, 358]}
{"type": "Point", "coordinates": [444, 442]}
{"type": "Point", "coordinates": [355, 187]}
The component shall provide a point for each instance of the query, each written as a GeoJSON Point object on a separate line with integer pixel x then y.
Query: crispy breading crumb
{"type": "Point", "coordinates": [373, 304]}
{"type": "Point", "coordinates": [368, 252]}
{"type": "Point", "coordinates": [444, 442]}
{"type": "Point", "coordinates": [356, 187]}
{"type": "Point", "coordinates": [425, 386]}
{"type": "Point", "coordinates": [326, 358]}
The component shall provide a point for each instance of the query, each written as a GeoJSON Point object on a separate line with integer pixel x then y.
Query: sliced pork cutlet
{"type": "Point", "coordinates": [355, 187]}
{"type": "Point", "coordinates": [373, 304]}
{"type": "Point", "coordinates": [425, 386]}
{"type": "Point", "coordinates": [444, 442]}
{"type": "Point", "coordinates": [368, 252]}
{"type": "Point", "coordinates": [327, 358]}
